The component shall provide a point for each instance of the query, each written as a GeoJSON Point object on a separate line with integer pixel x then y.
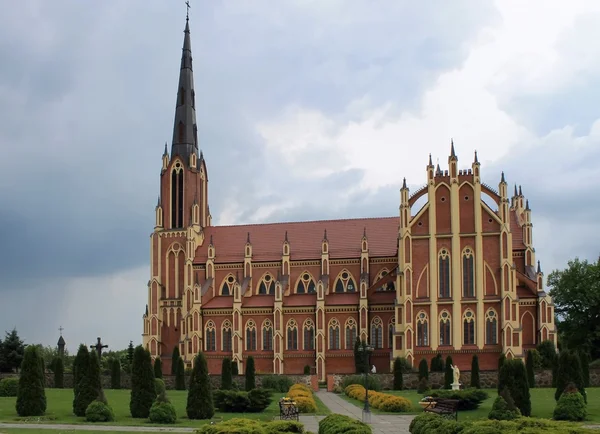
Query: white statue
{"type": "Point", "coordinates": [373, 370]}
{"type": "Point", "coordinates": [456, 373]}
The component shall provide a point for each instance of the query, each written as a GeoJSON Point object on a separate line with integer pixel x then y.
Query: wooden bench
{"type": "Point", "coordinates": [288, 411]}
{"type": "Point", "coordinates": [444, 407]}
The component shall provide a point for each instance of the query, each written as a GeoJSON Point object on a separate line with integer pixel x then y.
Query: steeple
{"type": "Point", "coordinates": [185, 136]}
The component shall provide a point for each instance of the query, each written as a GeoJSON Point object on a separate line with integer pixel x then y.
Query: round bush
{"type": "Point", "coordinates": [306, 404]}
{"type": "Point", "coordinates": [501, 410]}
{"type": "Point", "coordinates": [570, 406]}
{"type": "Point", "coordinates": [98, 411]}
{"type": "Point", "coordinates": [9, 387]}
{"type": "Point", "coordinates": [159, 386]}
{"type": "Point", "coordinates": [163, 412]}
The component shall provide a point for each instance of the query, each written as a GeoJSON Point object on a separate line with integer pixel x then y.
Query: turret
{"type": "Point", "coordinates": [364, 254]}
{"type": "Point", "coordinates": [453, 163]}
{"type": "Point", "coordinates": [476, 169]}
{"type": "Point", "coordinates": [159, 224]}
{"type": "Point", "coordinates": [404, 205]}
{"type": "Point", "coordinates": [430, 170]}
{"type": "Point", "coordinates": [248, 257]}
{"type": "Point", "coordinates": [165, 159]}
{"type": "Point", "coordinates": [285, 256]}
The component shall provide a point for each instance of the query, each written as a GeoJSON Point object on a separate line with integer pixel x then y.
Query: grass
{"type": "Point", "coordinates": [542, 403]}
{"type": "Point", "coordinates": [60, 405]}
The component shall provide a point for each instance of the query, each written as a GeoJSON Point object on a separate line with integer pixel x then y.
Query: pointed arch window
{"type": "Point", "coordinates": [334, 334]}
{"type": "Point", "coordinates": [468, 270]}
{"type": "Point", "coordinates": [306, 284]}
{"type": "Point", "coordinates": [469, 328]}
{"type": "Point", "coordinates": [251, 335]}
{"type": "Point", "coordinates": [267, 335]}
{"type": "Point", "coordinates": [491, 327]}
{"type": "Point", "coordinates": [345, 282]}
{"type": "Point", "coordinates": [351, 333]}
{"type": "Point", "coordinates": [226, 336]}
{"type": "Point", "coordinates": [377, 333]}
{"type": "Point", "coordinates": [444, 273]}
{"type": "Point", "coordinates": [177, 196]}
{"type": "Point", "coordinates": [292, 335]}
{"type": "Point", "coordinates": [266, 285]}
{"type": "Point", "coordinates": [309, 335]}
{"type": "Point", "coordinates": [386, 287]}
{"type": "Point", "coordinates": [445, 328]}
{"type": "Point", "coordinates": [422, 330]}
{"type": "Point", "coordinates": [211, 336]}
{"type": "Point", "coordinates": [391, 331]}
{"type": "Point", "coordinates": [227, 287]}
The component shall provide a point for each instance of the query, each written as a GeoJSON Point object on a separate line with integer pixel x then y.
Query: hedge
{"type": "Point", "coordinates": [303, 397]}
{"type": "Point", "coordinates": [337, 423]}
{"type": "Point", "coordinates": [233, 401]}
{"type": "Point", "coordinates": [9, 387]}
{"type": "Point", "coordinates": [249, 426]}
{"type": "Point", "coordinates": [378, 400]}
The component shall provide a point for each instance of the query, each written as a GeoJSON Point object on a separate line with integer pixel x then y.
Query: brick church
{"type": "Point", "coordinates": [453, 273]}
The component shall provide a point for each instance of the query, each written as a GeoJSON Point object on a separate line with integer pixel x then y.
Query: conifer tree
{"type": "Point", "coordinates": [569, 371]}
{"type": "Point", "coordinates": [81, 366]}
{"type": "Point", "coordinates": [143, 392]}
{"type": "Point", "coordinates": [448, 374]}
{"type": "Point", "coordinates": [200, 400]}
{"type": "Point", "coordinates": [584, 358]}
{"type": "Point", "coordinates": [235, 370]}
{"type": "Point", "coordinates": [530, 371]}
{"type": "Point", "coordinates": [88, 388]}
{"type": "Point", "coordinates": [513, 376]}
{"type": "Point", "coordinates": [398, 380]}
{"type": "Point", "coordinates": [13, 350]}
{"type": "Point", "coordinates": [31, 396]}
{"type": "Point", "coordinates": [59, 372]}
{"type": "Point", "coordinates": [175, 360]}
{"type": "Point", "coordinates": [158, 368]}
{"type": "Point", "coordinates": [423, 372]}
{"type": "Point", "coordinates": [226, 379]}
{"type": "Point", "coordinates": [115, 374]}
{"type": "Point", "coordinates": [130, 351]}
{"type": "Point", "coordinates": [180, 375]}
{"type": "Point", "coordinates": [475, 382]}
{"type": "Point", "coordinates": [358, 364]}
{"type": "Point", "coordinates": [250, 374]}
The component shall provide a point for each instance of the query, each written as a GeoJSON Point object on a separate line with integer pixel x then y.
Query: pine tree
{"type": "Point", "coordinates": [180, 375]}
{"type": "Point", "coordinates": [250, 374]}
{"type": "Point", "coordinates": [89, 385]}
{"type": "Point", "coordinates": [398, 380]}
{"type": "Point", "coordinates": [158, 368]}
{"type": "Point", "coordinates": [81, 366]}
{"type": "Point", "coordinates": [175, 360]}
{"type": "Point", "coordinates": [226, 379]}
{"type": "Point", "coordinates": [530, 371]}
{"type": "Point", "coordinates": [448, 374]}
{"type": "Point", "coordinates": [31, 396]}
{"type": "Point", "coordinates": [513, 376]}
{"type": "Point", "coordinates": [475, 372]}
{"type": "Point", "coordinates": [569, 371]}
{"type": "Point", "coordinates": [423, 373]}
{"type": "Point", "coordinates": [59, 372]}
{"type": "Point", "coordinates": [130, 353]}
{"type": "Point", "coordinates": [115, 374]}
{"type": "Point", "coordinates": [143, 392]}
{"type": "Point", "coordinates": [200, 400]}
{"type": "Point", "coordinates": [437, 363]}
{"type": "Point", "coordinates": [13, 350]}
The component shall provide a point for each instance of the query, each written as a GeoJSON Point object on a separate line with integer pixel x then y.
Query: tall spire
{"type": "Point", "coordinates": [185, 136]}
{"type": "Point", "coordinates": [452, 153]}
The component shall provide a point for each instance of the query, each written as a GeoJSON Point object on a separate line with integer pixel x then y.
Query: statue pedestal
{"type": "Point", "coordinates": [456, 386]}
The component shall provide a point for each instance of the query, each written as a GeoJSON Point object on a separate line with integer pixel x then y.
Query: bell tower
{"type": "Point", "coordinates": [181, 215]}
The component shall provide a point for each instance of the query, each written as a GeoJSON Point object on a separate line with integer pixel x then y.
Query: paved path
{"type": "Point", "coordinates": [381, 424]}
{"type": "Point", "coordinates": [71, 427]}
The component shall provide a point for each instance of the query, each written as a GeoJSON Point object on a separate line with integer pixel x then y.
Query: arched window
{"type": "Point", "coordinates": [227, 287]}
{"type": "Point", "coordinates": [444, 273]}
{"type": "Point", "coordinates": [292, 335]}
{"type": "Point", "coordinates": [422, 330]}
{"type": "Point", "coordinates": [350, 333]}
{"type": "Point", "coordinates": [251, 335]}
{"type": "Point", "coordinates": [309, 335]}
{"type": "Point", "coordinates": [445, 327]}
{"type": "Point", "coordinates": [211, 336]}
{"type": "Point", "coordinates": [266, 285]}
{"type": "Point", "coordinates": [391, 331]}
{"type": "Point", "coordinates": [267, 335]}
{"type": "Point", "coordinates": [226, 335]}
{"type": "Point", "coordinates": [334, 334]}
{"type": "Point", "coordinates": [390, 286]}
{"type": "Point", "coordinates": [177, 196]}
{"type": "Point", "coordinates": [469, 328]}
{"type": "Point", "coordinates": [468, 270]}
{"type": "Point", "coordinates": [491, 327]}
{"type": "Point", "coordinates": [377, 333]}
{"type": "Point", "coordinates": [306, 284]}
{"type": "Point", "coordinates": [345, 282]}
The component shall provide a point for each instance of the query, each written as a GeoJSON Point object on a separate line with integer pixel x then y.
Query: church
{"type": "Point", "coordinates": [454, 273]}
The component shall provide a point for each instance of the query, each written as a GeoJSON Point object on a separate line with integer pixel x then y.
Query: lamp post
{"type": "Point", "coordinates": [366, 350]}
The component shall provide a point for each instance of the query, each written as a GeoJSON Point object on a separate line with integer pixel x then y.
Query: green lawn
{"type": "Point", "coordinates": [542, 403]}
{"type": "Point", "coordinates": [60, 404]}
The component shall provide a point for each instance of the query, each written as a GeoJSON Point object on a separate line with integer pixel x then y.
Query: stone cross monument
{"type": "Point", "coordinates": [98, 347]}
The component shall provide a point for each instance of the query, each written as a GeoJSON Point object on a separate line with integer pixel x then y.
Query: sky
{"type": "Point", "coordinates": [306, 109]}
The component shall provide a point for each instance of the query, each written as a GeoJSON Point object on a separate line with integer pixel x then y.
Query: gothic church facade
{"type": "Point", "coordinates": [453, 274]}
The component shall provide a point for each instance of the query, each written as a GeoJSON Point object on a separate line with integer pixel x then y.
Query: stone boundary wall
{"type": "Point", "coordinates": [170, 380]}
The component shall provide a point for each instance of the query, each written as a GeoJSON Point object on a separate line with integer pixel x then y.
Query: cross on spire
{"type": "Point", "coordinates": [187, 15]}
{"type": "Point", "coordinates": [60, 329]}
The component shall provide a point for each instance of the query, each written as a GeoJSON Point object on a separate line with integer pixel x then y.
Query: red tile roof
{"type": "Point", "coordinates": [517, 231]}
{"type": "Point", "coordinates": [305, 238]}
{"type": "Point", "coordinates": [218, 302]}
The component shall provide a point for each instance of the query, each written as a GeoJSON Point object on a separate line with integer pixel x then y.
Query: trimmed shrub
{"type": "Point", "coordinates": [159, 386]}
{"type": "Point", "coordinates": [584, 358]}
{"type": "Point", "coordinates": [249, 426]}
{"type": "Point", "coordinates": [89, 386]}
{"type": "Point", "coordinates": [448, 374]}
{"type": "Point", "coordinates": [235, 370]}
{"type": "Point", "coordinates": [200, 399]}
{"type": "Point", "coordinates": [537, 359]}
{"type": "Point", "coordinates": [423, 373]}
{"type": "Point", "coordinates": [303, 397]}
{"type": "Point", "coordinates": [231, 401]}
{"type": "Point", "coordinates": [59, 373]}
{"type": "Point", "coordinates": [306, 370]}
{"type": "Point", "coordinates": [180, 375]}
{"type": "Point", "coordinates": [226, 378]}
{"type": "Point", "coordinates": [259, 399]}
{"type": "Point", "coordinates": [504, 407]}
{"type": "Point", "coordinates": [570, 406]}
{"type": "Point", "coordinates": [373, 382]}
{"type": "Point", "coordinates": [469, 399]}
{"type": "Point", "coordinates": [475, 372]}
{"type": "Point", "coordinates": [162, 411]}
{"type": "Point", "coordinates": [277, 383]}
{"type": "Point", "coordinates": [337, 423]}
{"type": "Point", "coordinates": [158, 368]}
{"type": "Point", "coordinates": [115, 374]}
{"type": "Point", "coordinates": [501, 361]}
{"type": "Point", "coordinates": [547, 351]}
{"type": "Point", "coordinates": [250, 374]}
{"type": "Point", "coordinates": [530, 372]}
{"type": "Point", "coordinates": [555, 370]}
{"type": "Point", "coordinates": [9, 387]}
{"type": "Point", "coordinates": [422, 386]}
{"type": "Point", "coordinates": [398, 378]}
{"type": "Point", "coordinates": [513, 377]}
{"type": "Point", "coordinates": [143, 391]}
{"type": "Point", "coordinates": [81, 365]}
{"type": "Point", "coordinates": [378, 400]}
{"type": "Point", "coordinates": [98, 411]}
{"type": "Point", "coordinates": [31, 396]}
{"type": "Point", "coordinates": [175, 360]}
{"type": "Point", "coordinates": [437, 364]}
{"type": "Point", "coordinates": [569, 371]}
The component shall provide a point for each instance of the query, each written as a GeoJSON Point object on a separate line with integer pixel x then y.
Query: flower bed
{"type": "Point", "coordinates": [378, 400]}
{"type": "Point", "coordinates": [303, 397]}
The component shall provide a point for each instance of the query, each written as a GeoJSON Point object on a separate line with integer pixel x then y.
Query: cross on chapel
{"type": "Point", "coordinates": [98, 347]}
